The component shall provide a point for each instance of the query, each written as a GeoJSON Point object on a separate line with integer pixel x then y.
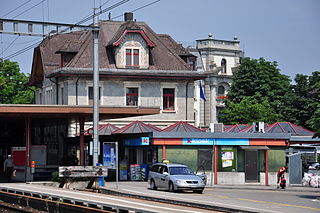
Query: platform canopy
{"type": "Point", "coordinates": [236, 128]}
{"type": "Point", "coordinates": [105, 129]}
{"type": "Point", "coordinates": [137, 127]}
{"type": "Point", "coordinates": [71, 111]}
{"type": "Point", "coordinates": [182, 126]}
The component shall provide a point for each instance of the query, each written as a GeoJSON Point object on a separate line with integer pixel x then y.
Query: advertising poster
{"type": "Point", "coordinates": [109, 155]}
{"type": "Point", "coordinates": [228, 158]}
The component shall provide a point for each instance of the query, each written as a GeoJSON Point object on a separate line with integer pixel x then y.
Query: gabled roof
{"type": "Point", "coordinates": [137, 127]}
{"type": "Point", "coordinates": [287, 127]}
{"type": "Point", "coordinates": [129, 27]}
{"type": "Point", "coordinates": [164, 55]}
{"type": "Point", "coordinates": [236, 128]}
{"type": "Point", "coordinates": [181, 126]}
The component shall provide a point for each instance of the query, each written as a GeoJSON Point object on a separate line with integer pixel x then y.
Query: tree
{"type": "Point", "coordinates": [248, 111]}
{"type": "Point", "coordinates": [266, 88]}
{"type": "Point", "coordinates": [13, 85]}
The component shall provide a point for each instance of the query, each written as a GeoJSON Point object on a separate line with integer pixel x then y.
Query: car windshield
{"type": "Point", "coordinates": [180, 170]}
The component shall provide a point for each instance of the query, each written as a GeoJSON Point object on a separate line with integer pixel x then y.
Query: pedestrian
{"type": "Point", "coordinates": [280, 174]}
{"type": "Point", "coordinates": [8, 167]}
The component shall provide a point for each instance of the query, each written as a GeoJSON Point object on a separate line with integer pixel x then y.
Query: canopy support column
{"type": "Point", "coordinates": [81, 121]}
{"type": "Point", "coordinates": [267, 167]}
{"type": "Point", "coordinates": [215, 164]}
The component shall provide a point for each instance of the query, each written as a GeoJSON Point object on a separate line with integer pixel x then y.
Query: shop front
{"type": "Point", "coordinates": [227, 159]}
{"type": "Point", "coordinates": [139, 155]}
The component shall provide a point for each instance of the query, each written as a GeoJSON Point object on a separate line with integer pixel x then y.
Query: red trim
{"type": "Point", "coordinates": [164, 152]}
{"type": "Point", "coordinates": [215, 164]}
{"type": "Point", "coordinates": [124, 128]}
{"type": "Point", "coordinates": [184, 124]}
{"type": "Point", "coordinates": [141, 32]}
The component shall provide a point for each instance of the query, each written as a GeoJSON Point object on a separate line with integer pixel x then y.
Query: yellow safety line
{"type": "Point", "coordinates": [282, 204]}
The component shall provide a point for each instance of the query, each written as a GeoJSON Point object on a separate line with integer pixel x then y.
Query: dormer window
{"type": "Point", "coordinates": [131, 47]}
{"type": "Point", "coordinates": [132, 57]}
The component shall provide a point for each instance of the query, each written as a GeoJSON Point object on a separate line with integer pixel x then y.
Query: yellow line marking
{"type": "Point", "coordinates": [281, 204]}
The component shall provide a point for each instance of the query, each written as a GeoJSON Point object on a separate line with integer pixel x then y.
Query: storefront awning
{"type": "Point", "coordinates": [254, 147]}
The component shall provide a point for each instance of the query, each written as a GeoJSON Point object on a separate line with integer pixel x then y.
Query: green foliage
{"type": "Point", "coordinates": [257, 93]}
{"type": "Point", "coordinates": [248, 111]}
{"type": "Point", "coordinates": [13, 85]}
{"type": "Point", "coordinates": [304, 102]}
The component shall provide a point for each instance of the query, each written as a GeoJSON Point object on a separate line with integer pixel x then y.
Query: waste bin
{"type": "Point", "coordinates": [100, 179]}
{"type": "Point", "coordinates": [144, 168]}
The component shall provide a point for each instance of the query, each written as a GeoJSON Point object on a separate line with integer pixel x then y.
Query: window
{"type": "Point", "coordinates": [90, 95]}
{"type": "Point", "coordinates": [132, 57]}
{"type": "Point", "coordinates": [128, 57]}
{"type": "Point", "coordinates": [168, 99]}
{"type": "Point", "coordinates": [221, 90]}
{"type": "Point", "coordinates": [132, 96]}
{"type": "Point", "coordinates": [223, 66]}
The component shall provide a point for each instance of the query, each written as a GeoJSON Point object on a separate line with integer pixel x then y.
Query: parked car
{"type": "Point", "coordinates": [175, 177]}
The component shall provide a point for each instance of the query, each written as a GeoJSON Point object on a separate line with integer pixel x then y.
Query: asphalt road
{"type": "Point", "coordinates": [256, 199]}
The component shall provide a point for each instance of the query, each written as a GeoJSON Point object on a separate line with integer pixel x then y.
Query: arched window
{"type": "Point", "coordinates": [223, 66]}
{"type": "Point", "coordinates": [221, 90]}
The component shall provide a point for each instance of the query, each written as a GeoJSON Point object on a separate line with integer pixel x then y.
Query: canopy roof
{"type": "Point", "coordinates": [105, 129]}
{"type": "Point", "coordinates": [137, 127]}
{"type": "Point", "coordinates": [236, 128]}
{"type": "Point", "coordinates": [182, 126]}
{"type": "Point", "coordinates": [287, 127]}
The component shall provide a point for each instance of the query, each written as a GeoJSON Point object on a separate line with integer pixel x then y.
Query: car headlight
{"type": "Point", "coordinates": [179, 181]}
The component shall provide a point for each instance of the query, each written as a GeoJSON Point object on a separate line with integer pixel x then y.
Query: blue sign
{"type": "Point", "coordinates": [231, 141]}
{"type": "Point", "coordinates": [142, 141]}
{"type": "Point", "coordinates": [197, 141]}
{"type": "Point", "coordinates": [109, 155]}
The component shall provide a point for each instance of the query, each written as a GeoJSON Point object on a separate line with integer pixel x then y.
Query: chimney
{"type": "Point", "coordinates": [128, 16]}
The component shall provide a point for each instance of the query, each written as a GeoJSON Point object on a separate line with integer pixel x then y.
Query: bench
{"type": "Point", "coordinates": [91, 172]}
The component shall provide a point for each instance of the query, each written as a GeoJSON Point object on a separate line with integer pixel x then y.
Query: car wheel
{"type": "Point", "coordinates": [171, 187]}
{"type": "Point", "coordinates": [198, 191]}
{"type": "Point", "coordinates": [153, 185]}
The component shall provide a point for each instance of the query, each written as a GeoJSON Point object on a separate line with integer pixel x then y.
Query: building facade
{"type": "Point", "coordinates": [137, 68]}
{"type": "Point", "coordinates": [219, 60]}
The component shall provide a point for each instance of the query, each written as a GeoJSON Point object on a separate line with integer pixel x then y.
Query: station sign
{"type": "Point", "coordinates": [197, 141]}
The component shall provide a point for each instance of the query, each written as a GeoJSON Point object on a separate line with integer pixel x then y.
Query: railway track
{"type": "Point", "coordinates": [50, 199]}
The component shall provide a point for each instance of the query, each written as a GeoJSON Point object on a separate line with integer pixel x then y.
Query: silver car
{"type": "Point", "coordinates": [175, 177]}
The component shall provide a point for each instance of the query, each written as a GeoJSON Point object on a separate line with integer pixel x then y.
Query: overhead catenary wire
{"type": "Point", "coordinates": [80, 22]}
{"type": "Point", "coordinates": [28, 9]}
{"type": "Point", "coordinates": [10, 45]}
{"type": "Point", "coordinates": [16, 8]}
{"type": "Point", "coordinates": [22, 50]}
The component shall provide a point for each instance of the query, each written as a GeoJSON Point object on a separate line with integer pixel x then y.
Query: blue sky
{"type": "Point", "coordinates": [286, 31]}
